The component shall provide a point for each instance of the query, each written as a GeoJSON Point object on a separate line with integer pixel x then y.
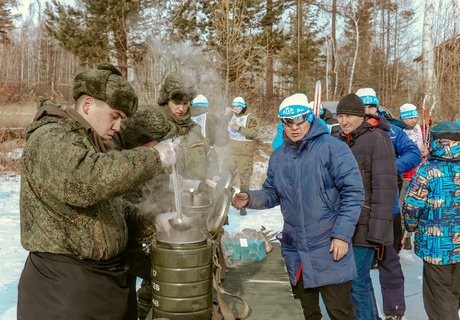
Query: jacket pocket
{"type": "Point", "coordinates": [321, 258]}
{"type": "Point", "coordinates": [286, 239]}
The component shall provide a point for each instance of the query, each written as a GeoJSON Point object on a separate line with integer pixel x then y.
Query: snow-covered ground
{"type": "Point", "coordinates": [12, 256]}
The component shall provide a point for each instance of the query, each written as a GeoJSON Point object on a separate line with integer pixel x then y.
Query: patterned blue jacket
{"type": "Point", "coordinates": [432, 205]}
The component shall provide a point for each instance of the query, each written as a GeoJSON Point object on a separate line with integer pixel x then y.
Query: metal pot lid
{"type": "Point", "coordinates": [224, 183]}
{"type": "Point", "coordinates": [218, 215]}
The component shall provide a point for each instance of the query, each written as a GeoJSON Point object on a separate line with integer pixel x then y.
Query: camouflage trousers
{"type": "Point", "coordinates": [244, 166]}
{"type": "Point", "coordinates": [144, 299]}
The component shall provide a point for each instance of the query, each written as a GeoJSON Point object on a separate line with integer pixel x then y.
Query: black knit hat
{"type": "Point", "coordinates": [351, 104]}
{"type": "Point", "coordinates": [106, 83]}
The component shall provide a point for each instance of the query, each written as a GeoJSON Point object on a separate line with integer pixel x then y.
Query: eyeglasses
{"type": "Point", "coordinates": [298, 120]}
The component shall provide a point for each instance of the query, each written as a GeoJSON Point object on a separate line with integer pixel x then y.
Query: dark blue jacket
{"type": "Point", "coordinates": [318, 185]}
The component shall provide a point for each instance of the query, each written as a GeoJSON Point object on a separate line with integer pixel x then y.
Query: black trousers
{"type": "Point", "coordinates": [397, 233]}
{"type": "Point", "coordinates": [441, 291]}
{"type": "Point", "coordinates": [336, 297]}
{"type": "Point", "coordinates": [58, 287]}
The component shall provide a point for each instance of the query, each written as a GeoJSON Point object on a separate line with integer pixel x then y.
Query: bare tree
{"type": "Point", "coordinates": [446, 60]}
{"type": "Point", "coordinates": [427, 49]}
{"type": "Point", "coordinates": [354, 18]}
{"type": "Point", "coordinates": [235, 49]}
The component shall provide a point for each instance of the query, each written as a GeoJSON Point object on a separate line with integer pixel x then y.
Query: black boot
{"type": "Point", "coordinates": [243, 211]}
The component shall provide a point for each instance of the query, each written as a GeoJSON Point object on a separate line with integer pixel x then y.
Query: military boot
{"type": "Point", "coordinates": [243, 211]}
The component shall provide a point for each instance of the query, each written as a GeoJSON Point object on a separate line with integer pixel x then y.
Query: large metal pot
{"type": "Point", "coordinates": [182, 275]}
{"type": "Point", "coordinates": [195, 209]}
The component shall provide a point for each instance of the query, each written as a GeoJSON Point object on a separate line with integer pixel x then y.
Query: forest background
{"type": "Point", "coordinates": [263, 50]}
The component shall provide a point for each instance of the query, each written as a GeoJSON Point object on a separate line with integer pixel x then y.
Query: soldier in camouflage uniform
{"type": "Point", "coordinates": [242, 128]}
{"type": "Point", "coordinates": [174, 101]}
{"type": "Point", "coordinates": [72, 216]}
{"type": "Point", "coordinates": [211, 129]}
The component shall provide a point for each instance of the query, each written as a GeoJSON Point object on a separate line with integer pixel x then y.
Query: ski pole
{"type": "Point", "coordinates": [423, 120]}
{"type": "Point", "coordinates": [317, 104]}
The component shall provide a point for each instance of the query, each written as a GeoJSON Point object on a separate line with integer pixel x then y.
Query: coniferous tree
{"type": "Point", "coordinates": [301, 59]}
{"type": "Point", "coordinates": [6, 19]}
{"type": "Point", "coordinates": [96, 31]}
{"type": "Point", "coordinates": [227, 31]}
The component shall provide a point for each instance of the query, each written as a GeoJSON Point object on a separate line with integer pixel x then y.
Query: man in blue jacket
{"type": "Point", "coordinates": [316, 181]}
{"type": "Point", "coordinates": [408, 156]}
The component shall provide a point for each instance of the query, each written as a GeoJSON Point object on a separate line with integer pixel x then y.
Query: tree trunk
{"type": "Point", "coordinates": [269, 67]}
{"type": "Point", "coordinates": [299, 41]}
{"type": "Point", "coordinates": [121, 50]}
{"type": "Point", "coordinates": [355, 58]}
{"type": "Point", "coordinates": [427, 49]}
{"type": "Point", "coordinates": [334, 46]}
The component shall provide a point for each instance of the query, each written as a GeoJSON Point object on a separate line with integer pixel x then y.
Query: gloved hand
{"type": "Point", "coordinates": [167, 153]}
{"type": "Point", "coordinates": [162, 221]}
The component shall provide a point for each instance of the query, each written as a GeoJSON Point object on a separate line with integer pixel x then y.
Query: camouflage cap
{"type": "Point", "coordinates": [107, 84]}
{"type": "Point", "coordinates": [177, 87]}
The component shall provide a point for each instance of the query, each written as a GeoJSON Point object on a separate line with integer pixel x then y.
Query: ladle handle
{"type": "Point", "coordinates": [177, 195]}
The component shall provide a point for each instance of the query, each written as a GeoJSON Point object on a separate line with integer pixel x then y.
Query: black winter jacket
{"type": "Point", "coordinates": [374, 153]}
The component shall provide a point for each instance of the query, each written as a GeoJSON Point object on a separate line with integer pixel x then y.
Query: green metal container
{"type": "Point", "coordinates": [182, 260]}
{"type": "Point", "coordinates": [182, 275]}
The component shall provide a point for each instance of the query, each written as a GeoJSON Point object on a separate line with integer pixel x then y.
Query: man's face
{"type": "Point", "coordinates": [178, 108]}
{"type": "Point", "coordinates": [104, 119]}
{"type": "Point", "coordinates": [370, 109]}
{"type": "Point", "coordinates": [349, 122]}
{"type": "Point", "coordinates": [296, 132]}
{"type": "Point", "coordinates": [411, 121]}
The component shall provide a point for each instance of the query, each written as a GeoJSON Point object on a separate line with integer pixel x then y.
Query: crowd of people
{"type": "Point", "coordinates": [343, 185]}
{"type": "Point", "coordinates": [344, 216]}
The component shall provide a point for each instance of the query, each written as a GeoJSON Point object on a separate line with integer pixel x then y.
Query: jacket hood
{"type": "Point", "coordinates": [445, 150]}
{"type": "Point", "coordinates": [399, 123]}
{"type": "Point", "coordinates": [48, 112]}
{"type": "Point", "coordinates": [379, 122]}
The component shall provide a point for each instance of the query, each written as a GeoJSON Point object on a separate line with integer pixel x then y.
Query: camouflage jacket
{"type": "Point", "coordinates": [71, 186]}
{"type": "Point", "coordinates": [249, 131]}
{"type": "Point", "coordinates": [213, 129]}
{"type": "Point", "coordinates": [192, 161]}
